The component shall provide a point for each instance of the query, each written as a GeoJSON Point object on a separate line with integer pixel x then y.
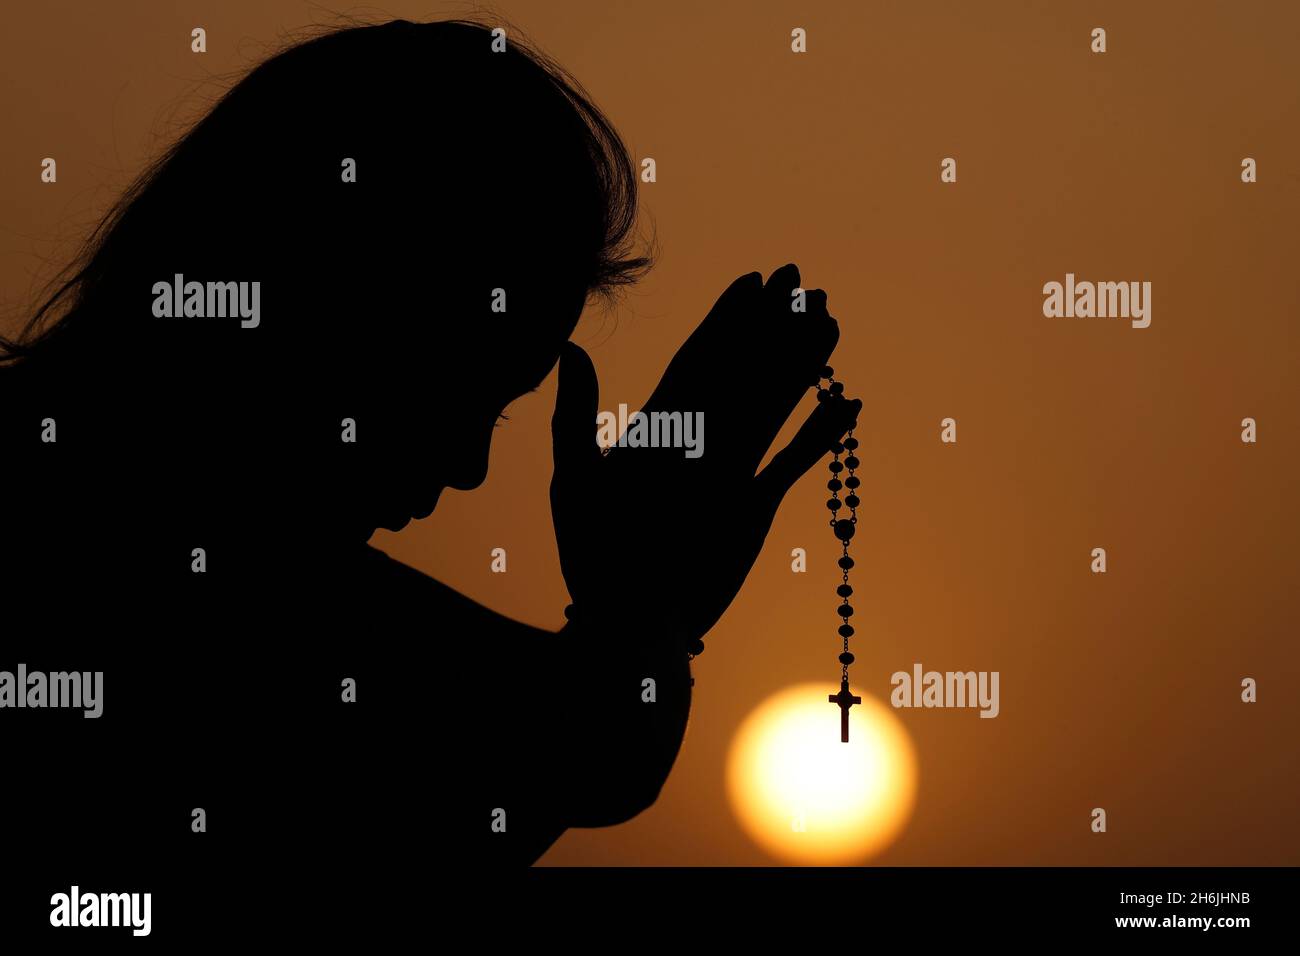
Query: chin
{"type": "Point", "coordinates": [393, 524]}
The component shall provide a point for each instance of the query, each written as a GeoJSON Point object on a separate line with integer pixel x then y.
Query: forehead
{"type": "Point", "coordinates": [528, 339]}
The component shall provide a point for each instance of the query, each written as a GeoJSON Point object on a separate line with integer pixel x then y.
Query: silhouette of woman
{"type": "Point", "coordinates": [198, 429]}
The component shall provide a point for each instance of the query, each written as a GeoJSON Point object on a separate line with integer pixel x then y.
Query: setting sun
{"type": "Point", "coordinates": [804, 796]}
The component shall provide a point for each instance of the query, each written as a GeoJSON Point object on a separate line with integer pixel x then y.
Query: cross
{"type": "Point", "coordinates": [845, 700]}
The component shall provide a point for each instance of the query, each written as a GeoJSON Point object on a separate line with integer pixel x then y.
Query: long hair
{"type": "Point", "coordinates": [431, 116]}
{"type": "Point", "coordinates": [381, 184]}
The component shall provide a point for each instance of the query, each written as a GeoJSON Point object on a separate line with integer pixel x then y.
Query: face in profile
{"type": "Point", "coordinates": [440, 425]}
{"type": "Point", "coordinates": [380, 185]}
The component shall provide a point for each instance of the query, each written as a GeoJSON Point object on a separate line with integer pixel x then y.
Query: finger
{"type": "Point", "coordinates": [573, 426]}
{"type": "Point", "coordinates": [782, 281]}
{"type": "Point", "coordinates": [827, 423]}
{"type": "Point", "coordinates": [735, 302]}
{"type": "Point", "coordinates": [806, 331]}
{"type": "Point", "coordinates": [792, 361]}
{"type": "Point", "coordinates": [748, 284]}
{"type": "Point", "coordinates": [779, 290]}
{"type": "Point", "coordinates": [735, 297]}
{"type": "Point", "coordinates": [712, 342]}
{"type": "Point", "coordinates": [815, 303]}
{"type": "Point", "coordinates": [818, 335]}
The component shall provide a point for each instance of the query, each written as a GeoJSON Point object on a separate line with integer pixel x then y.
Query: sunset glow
{"type": "Point", "coordinates": [804, 796]}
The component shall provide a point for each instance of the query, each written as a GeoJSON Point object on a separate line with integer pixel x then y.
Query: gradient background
{"type": "Point", "coordinates": [1118, 690]}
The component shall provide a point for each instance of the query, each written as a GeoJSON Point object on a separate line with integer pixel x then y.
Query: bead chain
{"type": "Point", "coordinates": [843, 527]}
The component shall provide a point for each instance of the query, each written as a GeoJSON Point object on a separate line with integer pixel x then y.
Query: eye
{"type": "Point", "coordinates": [502, 417]}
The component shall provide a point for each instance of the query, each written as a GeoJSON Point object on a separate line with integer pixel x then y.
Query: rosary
{"type": "Point", "coordinates": [843, 528]}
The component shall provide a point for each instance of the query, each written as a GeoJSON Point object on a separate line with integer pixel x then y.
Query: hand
{"type": "Point", "coordinates": [648, 536]}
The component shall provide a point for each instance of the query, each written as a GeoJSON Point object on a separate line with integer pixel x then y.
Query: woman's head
{"type": "Point", "coordinates": [425, 218]}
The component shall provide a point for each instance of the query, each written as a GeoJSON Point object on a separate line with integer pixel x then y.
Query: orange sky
{"type": "Point", "coordinates": [1118, 690]}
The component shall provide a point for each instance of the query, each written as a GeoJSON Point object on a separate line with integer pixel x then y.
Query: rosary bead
{"type": "Point", "coordinates": [844, 529]}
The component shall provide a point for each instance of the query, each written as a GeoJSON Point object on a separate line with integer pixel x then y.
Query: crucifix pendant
{"type": "Point", "coordinates": [845, 700]}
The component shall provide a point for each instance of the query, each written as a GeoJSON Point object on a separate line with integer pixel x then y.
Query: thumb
{"type": "Point", "coordinates": [573, 426]}
{"type": "Point", "coordinates": [827, 424]}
